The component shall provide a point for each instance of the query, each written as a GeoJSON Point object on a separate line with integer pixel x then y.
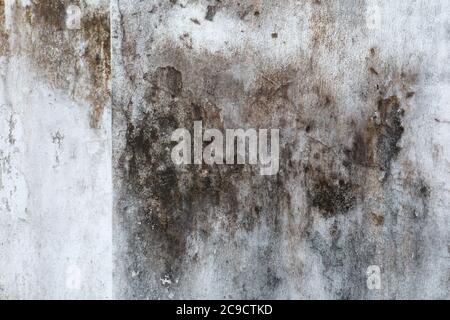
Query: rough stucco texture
{"type": "Point", "coordinates": [92, 206]}
{"type": "Point", "coordinates": [359, 91]}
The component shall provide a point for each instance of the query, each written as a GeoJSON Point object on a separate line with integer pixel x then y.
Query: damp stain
{"type": "Point", "coordinates": [194, 196]}
{"type": "Point", "coordinates": [329, 164]}
{"type": "Point", "coordinates": [181, 199]}
{"type": "Point", "coordinates": [50, 14]}
{"type": "Point", "coordinates": [4, 42]}
{"type": "Point", "coordinates": [76, 61]}
{"type": "Point", "coordinates": [270, 96]}
{"type": "Point", "coordinates": [377, 219]}
{"type": "Point", "coordinates": [177, 204]}
{"type": "Point", "coordinates": [376, 145]}
{"type": "Point", "coordinates": [332, 198]}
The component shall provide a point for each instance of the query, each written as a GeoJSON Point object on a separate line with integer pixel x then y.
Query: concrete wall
{"type": "Point", "coordinates": [359, 91]}
{"type": "Point", "coordinates": [92, 206]}
{"type": "Point", "coordinates": [55, 135]}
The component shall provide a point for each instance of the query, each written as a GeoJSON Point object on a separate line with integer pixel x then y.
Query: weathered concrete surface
{"type": "Point", "coordinates": [359, 91]}
{"type": "Point", "coordinates": [55, 180]}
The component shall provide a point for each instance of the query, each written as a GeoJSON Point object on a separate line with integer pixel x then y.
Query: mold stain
{"type": "Point", "coordinates": [332, 198]}
{"type": "Point", "coordinates": [168, 80]}
{"type": "Point", "coordinates": [325, 160]}
{"type": "Point", "coordinates": [77, 61]}
{"type": "Point", "coordinates": [96, 31]}
{"type": "Point", "coordinates": [178, 203]}
{"type": "Point", "coordinates": [50, 14]}
{"type": "Point", "coordinates": [181, 199]}
{"type": "Point", "coordinates": [191, 196]}
{"type": "Point", "coordinates": [377, 219]}
{"type": "Point", "coordinates": [376, 145]}
{"type": "Point", "coordinates": [389, 132]}
{"type": "Point", "coordinates": [4, 42]}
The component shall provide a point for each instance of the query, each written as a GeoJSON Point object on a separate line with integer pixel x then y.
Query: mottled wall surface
{"type": "Point", "coordinates": [92, 206]}
{"type": "Point", "coordinates": [55, 180]}
{"type": "Point", "coordinates": [359, 91]}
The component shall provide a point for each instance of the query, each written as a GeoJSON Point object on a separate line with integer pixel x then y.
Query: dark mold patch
{"type": "Point", "coordinates": [49, 14]}
{"type": "Point", "coordinates": [331, 197]}
{"type": "Point", "coordinates": [390, 131]}
{"type": "Point", "coordinates": [176, 203]}
{"type": "Point", "coordinates": [421, 192]}
{"type": "Point", "coordinates": [2, 14]}
{"type": "Point", "coordinates": [210, 13]}
{"type": "Point", "coordinates": [179, 206]}
{"type": "Point", "coordinates": [377, 144]}
{"type": "Point", "coordinates": [410, 94]}
{"type": "Point", "coordinates": [373, 71]}
{"type": "Point", "coordinates": [362, 150]}
{"type": "Point", "coordinates": [195, 20]}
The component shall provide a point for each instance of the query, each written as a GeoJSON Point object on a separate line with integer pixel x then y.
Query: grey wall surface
{"type": "Point", "coordinates": [359, 91]}
{"type": "Point", "coordinates": [92, 205]}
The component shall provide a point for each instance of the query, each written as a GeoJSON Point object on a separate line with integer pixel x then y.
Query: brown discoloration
{"type": "Point", "coordinates": [271, 96]}
{"type": "Point", "coordinates": [4, 43]}
{"type": "Point", "coordinates": [332, 197]}
{"type": "Point", "coordinates": [55, 50]}
{"type": "Point", "coordinates": [362, 151]}
{"type": "Point", "coordinates": [328, 30]}
{"type": "Point", "coordinates": [373, 71]}
{"type": "Point", "coordinates": [96, 32]}
{"type": "Point", "coordinates": [49, 14]}
{"type": "Point", "coordinates": [376, 219]}
{"type": "Point", "coordinates": [2, 13]}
